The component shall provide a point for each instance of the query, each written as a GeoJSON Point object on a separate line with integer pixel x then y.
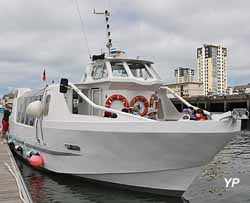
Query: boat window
{"type": "Point", "coordinates": [139, 70]}
{"type": "Point", "coordinates": [84, 77]}
{"type": "Point", "coordinates": [19, 111]}
{"type": "Point", "coordinates": [160, 113]}
{"type": "Point", "coordinates": [22, 104]}
{"type": "Point", "coordinates": [75, 101]}
{"type": "Point", "coordinates": [27, 116]}
{"type": "Point", "coordinates": [99, 71]}
{"type": "Point", "coordinates": [152, 69]}
{"type": "Point", "coordinates": [118, 69]}
{"type": "Point", "coordinates": [46, 105]}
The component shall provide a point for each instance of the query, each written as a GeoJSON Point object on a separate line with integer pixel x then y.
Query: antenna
{"type": "Point", "coordinates": [83, 27]}
{"type": "Point", "coordinates": [106, 13]}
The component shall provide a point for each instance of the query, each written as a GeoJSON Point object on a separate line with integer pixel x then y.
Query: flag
{"type": "Point", "coordinates": [44, 75]}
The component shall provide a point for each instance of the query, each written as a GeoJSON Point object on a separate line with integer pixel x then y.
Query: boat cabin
{"type": "Point", "coordinates": [123, 70]}
{"type": "Point", "coordinates": [128, 85]}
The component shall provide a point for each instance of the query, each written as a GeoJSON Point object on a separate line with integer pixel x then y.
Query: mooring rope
{"type": "Point", "coordinates": [18, 184]}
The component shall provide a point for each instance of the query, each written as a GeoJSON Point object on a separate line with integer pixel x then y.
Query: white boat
{"type": "Point", "coordinates": [84, 130]}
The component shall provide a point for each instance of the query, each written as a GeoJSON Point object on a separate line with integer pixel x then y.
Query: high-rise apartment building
{"type": "Point", "coordinates": [212, 69]}
{"type": "Point", "coordinates": [184, 75]}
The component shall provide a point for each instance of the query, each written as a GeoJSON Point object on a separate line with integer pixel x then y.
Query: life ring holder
{"type": "Point", "coordinates": [144, 101]}
{"type": "Point", "coordinates": [154, 102]}
{"type": "Point", "coordinates": [119, 97]}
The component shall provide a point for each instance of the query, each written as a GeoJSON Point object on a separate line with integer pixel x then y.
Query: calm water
{"type": "Point", "coordinates": [233, 161]}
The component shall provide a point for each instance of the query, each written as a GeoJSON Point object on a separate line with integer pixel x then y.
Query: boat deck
{"type": "Point", "coordinates": [9, 189]}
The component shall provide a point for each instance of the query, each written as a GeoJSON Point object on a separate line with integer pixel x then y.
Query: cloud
{"type": "Point", "coordinates": [47, 34]}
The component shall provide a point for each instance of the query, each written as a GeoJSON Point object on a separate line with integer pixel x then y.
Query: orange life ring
{"type": "Point", "coordinates": [143, 100]}
{"type": "Point", "coordinates": [154, 102]}
{"type": "Point", "coordinates": [116, 97]}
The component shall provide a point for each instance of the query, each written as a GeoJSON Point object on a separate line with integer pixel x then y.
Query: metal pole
{"type": "Point", "coordinates": [184, 101]}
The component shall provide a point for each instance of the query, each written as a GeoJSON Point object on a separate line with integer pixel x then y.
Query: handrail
{"type": "Point", "coordinates": [185, 101]}
{"type": "Point", "coordinates": [102, 108]}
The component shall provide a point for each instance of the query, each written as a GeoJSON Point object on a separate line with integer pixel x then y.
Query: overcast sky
{"type": "Point", "coordinates": [47, 34]}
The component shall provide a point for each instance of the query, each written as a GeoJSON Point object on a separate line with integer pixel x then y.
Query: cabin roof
{"type": "Point", "coordinates": [124, 59]}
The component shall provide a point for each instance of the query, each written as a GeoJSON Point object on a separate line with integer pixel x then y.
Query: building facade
{"type": "Point", "coordinates": [239, 89]}
{"type": "Point", "coordinates": [212, 69]}
{"type": "Point", "coordinates": [184, 75]}
{"type": "Point", "coordinates": [187, 89]}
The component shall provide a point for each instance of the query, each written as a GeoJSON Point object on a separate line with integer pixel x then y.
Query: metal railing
{"type": "Point", "coordinates": [102, 108]}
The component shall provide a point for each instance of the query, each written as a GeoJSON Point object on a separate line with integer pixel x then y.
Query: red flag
{"type": "Point", "coordinates": [44, 75]}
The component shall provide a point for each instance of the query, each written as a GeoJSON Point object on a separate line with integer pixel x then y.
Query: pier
{"type": "Point", "coordinates": [219, 104]}
{"type": "Point", "coordinates": [12, 186]}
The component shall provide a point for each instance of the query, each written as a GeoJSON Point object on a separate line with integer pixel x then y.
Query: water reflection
{"type": "Point", "coordinates": [49, 187]}
{"type": "Point", "coordinates": [231, 162]}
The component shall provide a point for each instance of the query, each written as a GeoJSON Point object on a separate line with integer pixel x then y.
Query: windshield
{"type": "Point", "coordinates": [99, 71]}
{"type": "Point", "coordinates": [118, 69]}
{"type": "Point", "coordinates": [152, 69]}
{"type": "Point", "coordinates": [139, 70]}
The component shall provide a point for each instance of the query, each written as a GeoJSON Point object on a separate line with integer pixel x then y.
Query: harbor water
{"type": "Point", "coordinates": [209, 186]}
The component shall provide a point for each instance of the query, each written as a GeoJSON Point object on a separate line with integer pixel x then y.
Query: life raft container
{"type": "Point", "coordinates": [154, 102]}
{"type": "Point", "coordinates": [143, 100]}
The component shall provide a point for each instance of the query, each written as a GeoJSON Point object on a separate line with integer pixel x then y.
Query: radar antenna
{"type": "Point", "coordinates": [106, 13]}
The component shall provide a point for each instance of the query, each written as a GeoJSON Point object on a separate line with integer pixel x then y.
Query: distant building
{"type": "Point", "coordinates": [212, 69]}
{"type": "Point", "coordinates": [184, 75]}
{"type": "Point", "coordinates": [239, 89]}
{"type": "Point", "coordinates": [187, 89]}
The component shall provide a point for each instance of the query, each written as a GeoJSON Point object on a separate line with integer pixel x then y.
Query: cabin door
{"type": "Point", "coordinates": [96, 98]}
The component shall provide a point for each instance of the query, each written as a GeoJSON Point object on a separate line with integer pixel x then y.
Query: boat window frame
{"type": "Point", "coordinates": [123, 65]}
{"type": "Point", "coordinates": [47, 100]}
{"type": "Point", "coordinates": [27, 117]}
{"type": "Point", "coordinates": [151, 68]}
{"type": "Point", "coordinates": [149, 72]}
{"type": "Point", "coordinates": [105, 74]}
{"type": "Point", "coordinates": [22, 104]}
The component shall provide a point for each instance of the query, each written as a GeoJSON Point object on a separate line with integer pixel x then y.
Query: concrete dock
{"type": "Point", "coordinates": [12, 187]}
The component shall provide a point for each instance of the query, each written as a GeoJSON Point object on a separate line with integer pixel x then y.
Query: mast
{"type": "Point", "coordinates": [106, 13]}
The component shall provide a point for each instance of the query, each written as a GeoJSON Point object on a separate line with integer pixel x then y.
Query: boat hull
{"type": "Point", "coordinates": [169, 182]}
{"type": "Point", "coordinates": [156, 161]}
